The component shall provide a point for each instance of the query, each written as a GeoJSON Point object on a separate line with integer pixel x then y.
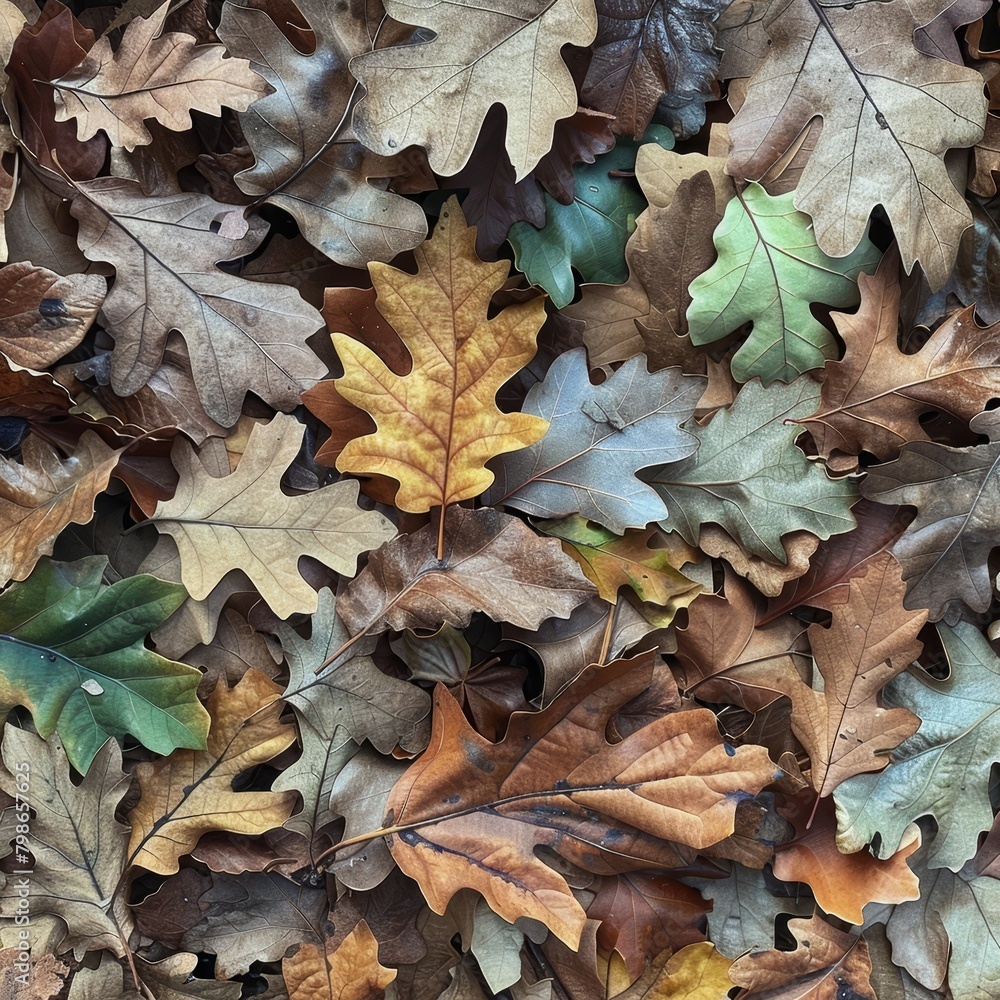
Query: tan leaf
{"type": "Point", "coordinates": [874, 398]}
{"type": "Point", "coordinates": [470, 813]}
{"type": "Point", "coordinates": [886, 127]}
{"type": "Point", "coordinates": [43, 314]}
{"type": "Point", "coordinates": [766, 576]}
{"type": "Point", "coordinates": [41, 496]}
{"type": "Point", "coordinates": [153, 74]}
{"type": "Point", "coordinates": [190, 792]}
{"type": "Point", "coordinates": [438, 425]}
{"type": "Point", "coordinates": [244, 521]}
{"type": "Point", "coordinates": [828, 964]}
{"type": "Point", "coordinates": [491, 562]}
{"type": "Point", "coordinates": [436, 94]}
{"type": "Point", "coordinates": [241, 335]}
{"type": "Point", "coordinates": [349, 971]}
{"type": "Point", "coordinates": [696, 972]}
{"type": "Point", "coordinates": [844, 884]}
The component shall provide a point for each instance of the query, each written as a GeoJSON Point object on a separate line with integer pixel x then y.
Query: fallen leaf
{"type": "Point", "coordinates": [885, 131]}
{"type": "Point", "coordinates": [438, 425]}
{"type": "Point", "coordinates": [945, 548]}
{"type": "Point", "coordinates": [77, 844]}
{"type": "Point", "coordinates": [599, 437]}
{"type": "Point", "coordinates": [942, 770]}
{"type": "Point", "coordinates": [825, 965]}
{"type": "Point", "coordinates": [436, 93]}
{"type": "Point", "coordinates": [696, 972]}
{"type": "Point", "coordinates": [152, 74]}
{"type": "Point", "coordinates": [873, 400]}
{"type": "Point", "coordinates": [351, 971]}
{"type": "Point", "coordinates": [73, 655]}
{"type": "Point", "coordinates": [239, 522]}
{"type": "Point", "coordinates": [404, 585]}
{"type": "Point", "coordinates": [647, 51]}
{"type": "Point", "coordinates": [241, 335]}
{"type": "Point", "coordinates": [635, 788]}
{"type": "Point", "coordinates": [45, 315]}
{"type": "Point", "coordinates": [844, 884]}
{"type": "Point", "coordinates": [749, 477]}
{"type": "Point", "coordinates": [190, 792]}
{"type": "Point", "coordinates": [43, 493]}
{"type": "Point", "coordinates": [768, 272]}
{"type": "Point", "coordinates": [307, 163]}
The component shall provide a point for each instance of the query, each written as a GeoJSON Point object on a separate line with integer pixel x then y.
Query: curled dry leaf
{"type": "Point", "coordinates": [438, 425]}
{"type": "Point", "coordinates": [469, 812]}
{"type": "Point", "coordinates": [307, 163]}
{"type": "Point", "coordinates": [153, 74]}
{"type": "Point", "coordinates": [244, 521]}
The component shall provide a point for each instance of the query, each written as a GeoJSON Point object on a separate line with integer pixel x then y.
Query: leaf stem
{"type": "Point", "coordinates": [440, 541]}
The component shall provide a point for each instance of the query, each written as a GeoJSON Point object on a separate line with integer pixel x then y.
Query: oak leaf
{"type": "Point", "coordinates": [942, 770]}
{"type": "Point", "coordinates": [945, 548]}
{"type": "Point", "coordinates": [153, 74]}
{"type": "Point", "coordinates": [827, 964]}
{"type": "Point", "coordinates": [349, 971]}
{"type": "Point", "coordinates": [43, 493]}
{"type": "Point", "coordinates": [749, 477]}
{"type": "Point", "coordinates": [599, 437]}
{"type": "Point", "coordinates": [844, 884]}
{"type": "Point", "coordinates": [44, 314]}
{"type": "Point", "coordinates": [436, 94]}
{"type": "Point", "coordinates": [77, 844]}
{"type": "Point", "coordinates": [190, 792]}
{"type": "Point", "coordinates": [490, 562]}
{"type": "Point", "coordinates": [71, 651]}
{"type": "Point", "coordinates": [696, 972]}
{"type": "Point", "coordinates": [612, 561]}
{"type": "Point", "coordinates": [768, 272]}
{"type": "Point", "coordinates": [874, 398]}
{"type": "Point", "coordinates": [885, 131]}
{"type": "Point", "coordinates": [470, 813]}
{"type": "Point", "coordinates": [307, 163]}
{"type": "Point", "coordinates": [241, 335]}
{"type": "Point", "coordinates": [438, 425]}
{"type": "Point", "coordinates": [647, 52]}
{"type": "Point", "coordinates": [244, 521]}
{"type": "Point", "coordinates": [872, 638]}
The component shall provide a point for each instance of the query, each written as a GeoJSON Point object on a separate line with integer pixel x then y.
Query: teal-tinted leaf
{"type": "Point", "coordinates": [768, 272]}
{"type": "Point", "coordinates": [72, 653]}
{"type": "Point", "coordinates": [943, 769]}
{"type": "Point", "coordinates": [590, 233]}
{"type": "Point", "coordinates": [749, 476]}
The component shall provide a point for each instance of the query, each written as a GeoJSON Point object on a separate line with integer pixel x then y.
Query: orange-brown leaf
{"type": "Point", "coordinates": [439, 424]}
{"type": "Point", "coordinates": [349, 971]}
{"type": "Point", "coordinates": [470, 813]}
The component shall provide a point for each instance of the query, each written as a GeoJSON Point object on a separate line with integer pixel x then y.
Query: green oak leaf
{"type": "Point", "coordinates": [768, 272]}
{"type": "Point", "coordinates": [589, 233]}
{"type": "Point", "coordinates": [72, 653]}
{"type": "Point", "coordinates": [943, 769]}
{"type": "Point", "coordinates": [749, 476]}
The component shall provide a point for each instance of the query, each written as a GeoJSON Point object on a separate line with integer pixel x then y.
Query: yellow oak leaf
{"type": "Point", "coordinates": [439, 425]}
{"type": "Point", "coordinates": [190, 792]}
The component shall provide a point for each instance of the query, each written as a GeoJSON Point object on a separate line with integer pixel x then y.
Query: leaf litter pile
{"type": "Point", "coordinates": [499, 501]}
